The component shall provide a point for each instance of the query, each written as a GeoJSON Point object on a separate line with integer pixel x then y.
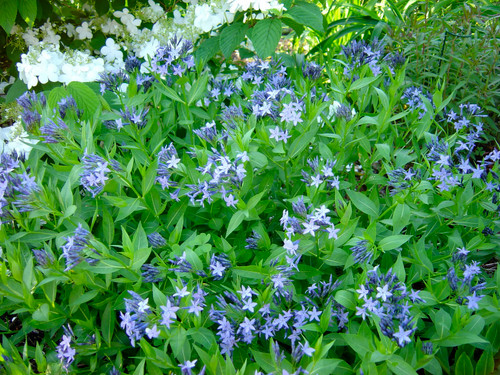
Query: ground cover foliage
{"type": "Point", "coordinates": [283, 214]}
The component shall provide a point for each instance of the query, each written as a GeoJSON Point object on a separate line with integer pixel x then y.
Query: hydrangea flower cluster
{"type": "Point", "coordinates": [466, 286]}
{"type": "Point", "coordinates": [387, 298]}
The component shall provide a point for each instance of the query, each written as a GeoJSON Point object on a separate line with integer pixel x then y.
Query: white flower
{"type": "Point", "coordinates": [84, 31]}
{"type": "Point", "coordinates": [111, 51]}
{"type": "Point", "coordinates": [110, 27]}
{"type": "Point", "coordinates": [70, 30]}
{"type": "Point", "coordinates": [51, 37]}
{"type": "Point", "coordinates": [30, 38]}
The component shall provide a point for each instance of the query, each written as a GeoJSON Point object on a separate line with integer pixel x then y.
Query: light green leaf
{"type": "Point", "coordinates": [198, 89]}
{"type": "Point", "coordinates": [363, 203]}
{"type": "Point", "coordinates": [307, 14]}
{"type": "Point", "coordinates": [236, 220]}
{"type": "Point", "coordinates": [265, 37]}
{"type": "Point", "coordinates": [393, 242]}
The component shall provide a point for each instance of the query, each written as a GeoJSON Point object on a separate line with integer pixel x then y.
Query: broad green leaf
{"type": "Point", "coordinates": [207, 49]}
{"type": "Point", "coordinates": [307, 14]}
{"type": "Point", "coordinates": [358, 343]}
{"type": "Point", "coordinates": [301, 142]}
{"type": "Point", "coordinates": [346, 299]}
{"type": "Point", "coordinates": [323, 367]}
{"type": "Point", "coordinates": [265, 36]}
{"type": "Point", "coordinates": [108, 320]}
{"type": "Point", "coordinates": [393, 242]}
{"type": "Point", "coordinates": [231, 37]}
{"type": "Point", "coordinates": [8, 14]}
{"type": "Point", "coordinates": [264, 360]}
{"type": "Point", "coordinates": [442, 323]}
{"type": "Point", "coordinates": [86, 99]}
{"type": "Point", "coordinates": [400, 217]}
{"type": "Point", "coordinates": [27, 9]}
{"type": "Point", "coordinates": [55, 95]}
{"type": "Point", "coordinates": [486, 364]}
{"type": "Point", "coordinates": [384, 150]}
{"type": "Point", "coordinates": [363, 203]}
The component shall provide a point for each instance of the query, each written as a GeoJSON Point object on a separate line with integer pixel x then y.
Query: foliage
{"type": "Point", "coordinates": [282, 218]}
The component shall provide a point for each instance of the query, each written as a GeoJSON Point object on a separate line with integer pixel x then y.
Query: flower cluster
{"type": "Point", "coordinates": [466, 286]}
{"type": "Point", "coordinates": [74, 250]}
{"type": "Point", "coordinates": [31, 104]}
{"type": "Point", "coordinates": [224, 175]}
{"type": "Point", "coordinates": [414, 100]}
{"type": "Point", "coordinates": [167, 160]}
{"type": "Point", "coordinates": [135, 321]}
{"type": "Point", "coordinates": [321, 171]}
{"type": "Point", "coordinates": [65, 352]}
{"type": "Point", "coordinates": [95, 173]}
{"type": "Point", "coordinates": [173, 59]}
{"type": "Point", "coordinates": [387, 298]}
{"type": "Point", "coordinates": [361, 53]}
{"type": "Point", "coordinates": [16, 189]}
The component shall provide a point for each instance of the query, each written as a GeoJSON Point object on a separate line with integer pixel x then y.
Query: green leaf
{"type": "Point", "coordinates": [346, 299]}
{"type": "Point", "coordinates": [464, 365]}
{"type": "Point", "coordinates": [231, 37]}
{"type": "Point", "coordinates": [108, 323]}
{"type": "Point", "coordinates": [8, 14]}
{"type": "Point", "coordinates": [363, 82]}
{"type": "Point", "coordinates": [363, 203]}
{"type": "Point", "coordinates": [264, 360]}
{"type": "Point", "coordinates": [393, 242]}
{"type": "Point", "coordinates": [265, 37]}
{"type": "Point", "coordinates": [27, 9]}
{"type": "Point", "coordinates": [400, 218]}
{"type": "Point", "coordinates": [301, 142]}
{"type": "Point", "coordinates": [486, 364]}
{"type": "Point", "coordinates": [150, 177]}
{"type": "Point", "coordinates": [384, 150]}
{"type": "Point", "coordinates": [207, 49]}
{"type": "Point", "coordinates": [249, 272]}
{"type": "Point", "coordinates": [399, 366]}
{"type": "Point", "coordinates": [358, 343]}
{"type": "Point", "coordinates": [323, 366]}
{"type": "Point", "coordinates": [462, 338]}
{"type": "Point", "coordinates": [442, 323]}
{"type": "Point", "coordinates": [86, 99]}
{"type": "Point", "coordinates": [236, 220]}
{"type": "Point", "coordinates": [307, 14]}
{"type": "Point", "coordinates": [198, 89]}
{"type": "Point", "coordinates": [168, 92]}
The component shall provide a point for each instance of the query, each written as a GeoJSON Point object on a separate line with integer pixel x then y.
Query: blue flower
{"type": "Point", "coordinates": [73, 249]}
{"type": "Point", "coordinates": [65, 352]}
{"type": "Point", "coordinates": [156, 240]}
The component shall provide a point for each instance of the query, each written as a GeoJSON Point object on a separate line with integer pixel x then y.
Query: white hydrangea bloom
{"type": "Point", "coordinates": [111, 27]}
{"type": "Point", "coordinates": [30, 37]}
{"type": "Point", "coordinates": [128, 19]}
{"type": "Point", "coordinates": [84, 31]}
{"type": "Point", "coordinates": [15, 138]}
{"type": "Point", "coordinates": [111, 51]}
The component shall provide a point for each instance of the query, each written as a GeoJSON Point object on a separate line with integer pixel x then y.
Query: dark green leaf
{"type": "Point", "coordinates": [27, 9]}
{"type": "Point", "coordinates": [86, 99]}
{"type": "Point", "coordinates": [231, 37]}
{"type": "Point", "coordinates": [8, 14]}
